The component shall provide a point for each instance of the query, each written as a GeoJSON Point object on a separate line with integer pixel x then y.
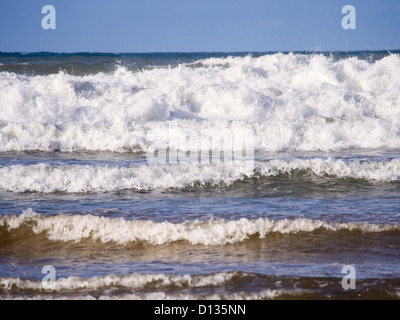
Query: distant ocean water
{"type": "Point", "coordinates": [77, 191]}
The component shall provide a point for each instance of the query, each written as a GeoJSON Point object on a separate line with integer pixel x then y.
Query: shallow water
{"type": "Point", "coordinates": [77, 191]}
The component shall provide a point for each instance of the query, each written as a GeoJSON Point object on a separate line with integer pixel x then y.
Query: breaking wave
{"type": "Point", "coordinates": [291, 101]}
{"type": "Point", "coordinates": [210, 233]}
{"type": "Point", "coordinates": [47, 178]}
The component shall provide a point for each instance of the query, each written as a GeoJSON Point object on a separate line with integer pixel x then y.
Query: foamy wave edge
{"type": "Point", "coordinates": [45, 178]}
{"type": "Point", "coordinates": [263, 295]}
{"type": "Point", "coordinates": [131, 285]}
{"type": "Point", "coordinates": [210, 233]}
{"type": "Point", "coordinates": [134, 281]}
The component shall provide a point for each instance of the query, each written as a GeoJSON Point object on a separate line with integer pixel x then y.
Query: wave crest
{"type": "Point", "coordinates": [46, 178]}
{"type": "Point", "coordinates": [293, 102]}
{"type": "Point", "coordinates": [210, 233]}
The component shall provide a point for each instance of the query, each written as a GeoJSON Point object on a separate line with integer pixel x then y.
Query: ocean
{"type": "Point", "coordinates": [198, 176]}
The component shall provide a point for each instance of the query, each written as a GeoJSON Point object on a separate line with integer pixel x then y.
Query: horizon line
{"type": "Point", "coordinates": [198, 52]}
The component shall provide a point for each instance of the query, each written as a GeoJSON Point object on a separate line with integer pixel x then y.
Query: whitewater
{"type": "Point", "coordinates": [199, 175]}
{"type": "Point", "coordinates": [292, 102]}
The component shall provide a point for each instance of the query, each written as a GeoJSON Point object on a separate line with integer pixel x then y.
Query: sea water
{"type": "Point", "coordinates": [78, 193]}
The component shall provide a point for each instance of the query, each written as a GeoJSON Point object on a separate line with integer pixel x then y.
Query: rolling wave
{"type": "Point", "coordinates": [144, 287]}
{"type": "Point", "coordinates": [47, 178]}
{"type": "Point", "coordinates": [234, 285]}
{"type": "Point", "coordinates": [291, 101]}
{"type": "Point", "coordinates": [210, 233]}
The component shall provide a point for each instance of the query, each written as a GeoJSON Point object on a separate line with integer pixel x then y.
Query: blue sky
{"type": "Point", "coordinates": [193, 26]}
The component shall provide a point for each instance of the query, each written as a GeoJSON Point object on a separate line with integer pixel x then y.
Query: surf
{"type": "Point", "coordinates": [292, 102]}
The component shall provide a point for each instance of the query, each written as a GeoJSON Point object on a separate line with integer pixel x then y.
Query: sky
{"type": "Point", "coordinates": [198, 26]}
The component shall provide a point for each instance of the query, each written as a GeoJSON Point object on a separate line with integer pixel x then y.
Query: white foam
{"type": "Point", "coordinates": [132, 281]}
{"type": "Point", "coordinates": [293, 102]}
{"type": "Point", "coordinates": [132, 284]}
{"type": "Point", "coordinates": [45, 178]}
{"type": "Point", "coordinates": [263, 295]}
{"type": "Point", "coordinates": [374, 171]}
{"type": "Point", "coordinates": [211, 233]}
{"type": "Point", "coordinates": [61, 288]}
